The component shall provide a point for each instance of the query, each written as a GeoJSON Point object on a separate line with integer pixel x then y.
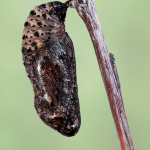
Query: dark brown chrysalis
{"type": "Point", "coordinates": [48, 56]}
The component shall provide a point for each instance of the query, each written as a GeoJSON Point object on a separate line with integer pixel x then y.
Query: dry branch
{"type": "Point", "coordinates": [87, 11]}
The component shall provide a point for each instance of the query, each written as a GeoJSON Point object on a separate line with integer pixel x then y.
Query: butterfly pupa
{"type": "Point", "coordinates": [49, 60]}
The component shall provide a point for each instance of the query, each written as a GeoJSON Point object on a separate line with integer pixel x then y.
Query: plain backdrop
{"type": "Point", "coordinates": [126, 28]}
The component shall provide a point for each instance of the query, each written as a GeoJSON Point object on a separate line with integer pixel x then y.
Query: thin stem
{"type": "Point", "coordinates": [87, 11]}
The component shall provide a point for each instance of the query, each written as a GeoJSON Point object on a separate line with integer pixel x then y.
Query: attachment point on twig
{"type": "Point", "coordinates": [72, 4]}
{"type": "Point", "coordinates": [69, 3]}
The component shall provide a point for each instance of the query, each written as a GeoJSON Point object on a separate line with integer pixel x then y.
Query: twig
{"type": "Point", "coordinates": [87, 11]}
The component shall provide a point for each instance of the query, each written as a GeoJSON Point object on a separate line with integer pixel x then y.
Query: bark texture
{"type": "Point", "coordinates": [87, 11]}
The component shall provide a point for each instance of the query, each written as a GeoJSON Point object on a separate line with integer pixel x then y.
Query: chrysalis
{"type": "Point", "coordinates": [48, 56]}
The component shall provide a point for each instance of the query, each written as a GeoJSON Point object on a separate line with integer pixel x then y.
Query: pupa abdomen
{"type": "Point", "coordinates": [48, 56]}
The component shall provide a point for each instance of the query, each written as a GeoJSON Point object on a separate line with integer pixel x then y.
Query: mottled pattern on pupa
{"type": "Point", "coordinates": [48, 56]}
